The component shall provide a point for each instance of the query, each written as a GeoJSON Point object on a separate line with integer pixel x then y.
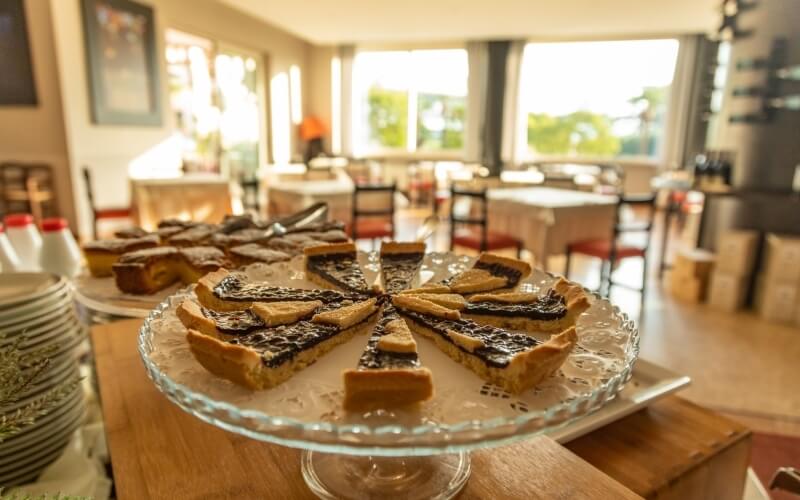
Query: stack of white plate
{"type": "Point", "coordinates": [40, 307]}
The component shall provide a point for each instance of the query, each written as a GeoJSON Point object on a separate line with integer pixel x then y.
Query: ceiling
{"type": "Point", "coordinates": [344, 21]}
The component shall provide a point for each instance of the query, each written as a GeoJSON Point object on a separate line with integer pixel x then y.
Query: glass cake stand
{"type": "Point", "coordinates": [410, 454]}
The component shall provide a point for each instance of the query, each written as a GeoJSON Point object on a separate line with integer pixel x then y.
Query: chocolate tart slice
{"type": "Point", "coordinates": [335, 266]}
{"type": "Point", "coordinates": [555, 310]}
{"type": "Point", "coordinates": [251, 253]}
{"type": "Point", "coordinates": [400, 263]}
{"type": "Point", "coordinates": [513, 361]}
{"type": "Point", "coordinates": [147, 271]}
{"type": "Point", "coordinates": [222, 291]}
{"type": "Point", "coordinates": [101, 255]}
{"type": "Point", "coordinates": [196, 262]}
{"type": "Point", "coordinates": [389, 373]}
{"type": "Point", "coordinates": [194, 236]}
{"type": "Point", "coordinates": [490, 273]}
{"type": "Point", "coordinates": [265, 357]}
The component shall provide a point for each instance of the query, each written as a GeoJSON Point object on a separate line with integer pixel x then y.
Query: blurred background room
{"type": "Point", "coordinates": [648, 150]}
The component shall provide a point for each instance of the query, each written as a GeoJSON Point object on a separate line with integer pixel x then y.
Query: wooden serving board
{"type": "Point", "coordinates": [674, 449]}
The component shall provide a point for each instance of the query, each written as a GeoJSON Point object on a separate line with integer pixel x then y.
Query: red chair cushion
{"type": "Point", "coordinates": [112, 213]}
{"type": "Point", "coordinates": [602, 249]}
{"type": "Point", "coordinates": [471, 238]}
{"type": "Point", "coordinates": [372, 228]}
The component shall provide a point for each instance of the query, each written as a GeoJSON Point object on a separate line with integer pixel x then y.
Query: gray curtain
{"type": "Point", "coordinates": [492, 129]}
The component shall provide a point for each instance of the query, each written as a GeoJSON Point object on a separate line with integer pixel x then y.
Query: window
{"type": "Point", "coordinates": [410, 100]}
{"type": "Point", "coordinates": [213, 94]}
{"type": "Point", "coordinates": [595, 99]}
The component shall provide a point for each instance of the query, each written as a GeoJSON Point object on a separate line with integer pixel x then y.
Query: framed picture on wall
{"type": "Point", "coordinates": [122, 62]}
{"type": "Point", "coordinates": [17, 87]}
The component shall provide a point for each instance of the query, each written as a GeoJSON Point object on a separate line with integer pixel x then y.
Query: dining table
{"type": "Point", "coordinates": [546, 219]}
{"type": "Point", "coordinates": [197, 197]}
{"type": "Point", "coordinates": [285, 197]}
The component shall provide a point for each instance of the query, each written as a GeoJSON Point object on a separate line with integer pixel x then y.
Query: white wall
{"type": "Point", "coordinates": [36, 134]}
{"type": "Point", "coordinates": [109, 150]}
{"type": "Point", "coordinates": [319, 90]}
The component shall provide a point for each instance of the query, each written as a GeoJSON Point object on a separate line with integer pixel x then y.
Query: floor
{"type": "Point", "coordinates": [740, 365]}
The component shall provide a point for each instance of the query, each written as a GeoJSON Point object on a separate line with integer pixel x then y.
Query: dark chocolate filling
{"type": "Point", "coordinates": [279, 344]}
{"type": "Point", "coordinates": [399, 270]}
{"type": "Point", "coordinates": [340, 269]}
{"type": "Point", "coordinates": [495, 269]}
{"type": "Point", "coordinates": [548, 307]}
{"type": "Point", "coordinates": [234, 289]}
{"type": "Point", "coordinates": [501, 345]}
{"type": "Point", "coordinates": [234, 323]}
{"type": "Point", "coordinates": [374, 359]}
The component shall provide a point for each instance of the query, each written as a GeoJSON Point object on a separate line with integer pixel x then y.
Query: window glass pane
{"type": "Point", "coordinates": [441, 85]}
{"type": "Point", "coordinates": [410, 100]}
{"type": "Point", "coordinates": [239, 111]}
{"type": "Point", "coordinates": [598, 99]}
{"type": "Point", "coordinates": [381, 83]}
{"type": "Point", "coordinates": [192, 98]}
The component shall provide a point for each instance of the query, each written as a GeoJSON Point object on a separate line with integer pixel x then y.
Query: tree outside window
{"type": "Point", "coordinates": [596, 99]}
{"type": "Point", "coordinates": [411, 100]}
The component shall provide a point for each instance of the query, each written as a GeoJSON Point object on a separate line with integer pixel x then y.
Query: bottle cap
{"type": "Point", "coordinates": [2, 228]}
{"type": "Point", "coordinates": [18, 220]}
{"type": "Point", "coordinates": [54, 224]}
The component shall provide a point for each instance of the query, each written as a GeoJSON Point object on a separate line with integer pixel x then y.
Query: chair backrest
{"type": "Point", "coordinates": [373, 200]}
{"type": "Point", "coordinates": [479, 217]}
{"type": "Point", "coordinates": [250, 193]}
{"type": "Point", "coordinates": [87, 179]}
{"type": "Point", "coordinates": [646, 201]}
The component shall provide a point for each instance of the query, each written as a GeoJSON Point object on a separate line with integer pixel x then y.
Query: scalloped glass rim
{"type": "Point", "coordinates": [385, 440]}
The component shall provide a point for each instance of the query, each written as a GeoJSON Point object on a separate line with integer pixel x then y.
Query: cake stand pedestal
{"type": "Point", "coordinates": [334, 476]}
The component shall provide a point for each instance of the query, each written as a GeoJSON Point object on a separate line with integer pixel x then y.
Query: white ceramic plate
{"type": "Point", "coordinates": [73, 404]}
{"type": "Point", "coordinates": [54, 375]}
{"type": "Point", "coordinates": [48, 326]}
{"type": "Point", "coordinates": [27, 467]}
{"type": "Point", "coordinates": [16, 288]}
{"type": "Point", "coordinates": [11, 314]}
{"type": "Point", "coordinates": [62, 303]}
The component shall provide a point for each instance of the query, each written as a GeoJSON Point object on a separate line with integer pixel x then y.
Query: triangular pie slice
{"type": "Point", "coordinates": [554, 311]}
{"type": "Point", "coordinates": [513, 361]}
{"type": "Point", "coordinates": [389, 373]}
{"type": "Point", "coordinates": [335, 266]}
{"type": "Point", "coordinates": [224, 291]}
{"type": "Point", "coordinates": [263, 357]}
{"type": "Point", "coordinates": [490, 273]}
{"type": "Point", "coordinates": [400, 263]}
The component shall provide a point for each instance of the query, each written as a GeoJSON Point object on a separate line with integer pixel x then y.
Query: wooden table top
{"type": "Point", "coordinates": [159, 451]}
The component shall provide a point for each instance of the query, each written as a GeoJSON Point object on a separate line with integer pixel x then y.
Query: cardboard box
{"type": "Point", "coordinates": [776, 301]}
{"type": "Point", "coordinates": [686, 288]}
{"type": "Point", "coordinates": [695, 263]}
{"type": "Point", "coordinates": [736, 252]}
{"type": "Point", "coordinates": [728, 292]}
{"type": "Point", "coordinates": [781, 263]}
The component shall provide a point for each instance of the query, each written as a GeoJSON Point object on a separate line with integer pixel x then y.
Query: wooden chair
{"type": "Point", "coordinates": [251, 191]}
{"type": "Point", "coordinates": [102, 213]}
{"type": "Point", "coordinates": [28, 188]}
{"type": "Point", "coordinates": [480, 239]}
{"type": "Point", "coordinates": [612, 250]}
{"type": "Point", "coordinates": [373, 211]}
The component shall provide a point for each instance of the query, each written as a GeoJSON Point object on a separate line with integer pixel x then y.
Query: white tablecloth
{"type": "Point", "coordinates": [547, 219]}
{"type": "Point", "coordinates": [201, 198]}
{"type": "Point", "coordinates": [289, 197]}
